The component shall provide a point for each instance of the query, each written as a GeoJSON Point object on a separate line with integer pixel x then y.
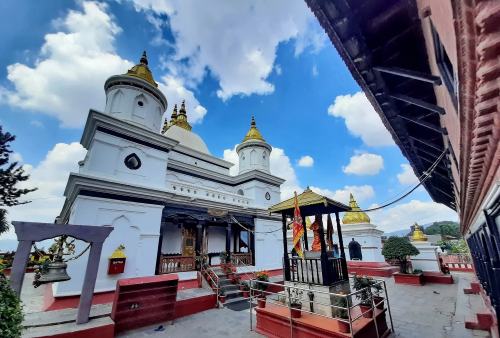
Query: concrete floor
{"type": "Point", "coordinates": [433, 311]}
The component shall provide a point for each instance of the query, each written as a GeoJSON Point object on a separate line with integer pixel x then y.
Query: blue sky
{"type": "Point", "coordinates": [229, 61]}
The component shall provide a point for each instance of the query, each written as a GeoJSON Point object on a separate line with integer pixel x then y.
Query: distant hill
{"type": "Point", "coordinates": [404, 232]}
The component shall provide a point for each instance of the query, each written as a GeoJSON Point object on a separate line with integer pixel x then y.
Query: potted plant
{"type": "Point", "coordinates": [295, 303]}
{"type": "Point", "coordinates": [364, 284]}
{"type": "Point", "coordinates": [262, 277]}
{"type": "Point", "coordinates": [399, 249]}
{"type": "Point", "coordinates": [235, 279]}
{"type": "Point", "coordinates": [341, 306]}
{"type": "Point", "coordinates": [245, 288]}
{"type": "Point", "coordinates": [11, 309]}
{"type": "Point", "coordinates": [223, 259]}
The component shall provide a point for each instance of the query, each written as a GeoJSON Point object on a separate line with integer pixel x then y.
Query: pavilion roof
{"type": "Point", "coordinates": [310, 203]}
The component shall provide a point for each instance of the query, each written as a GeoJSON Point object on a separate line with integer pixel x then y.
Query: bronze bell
{"type": "Point", "coordinates": [55, 272]}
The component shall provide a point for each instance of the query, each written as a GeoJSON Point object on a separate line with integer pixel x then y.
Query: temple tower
{"type": "Point", "coordinates": [253, 151]}
{"type": "Point", "coordinates": [135, 97]}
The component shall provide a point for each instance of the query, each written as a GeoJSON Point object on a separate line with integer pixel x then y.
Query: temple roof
{"type": "Point", "coordinates": [141, 70]}
{"type": "Point", "coordinates": [310, 203]}
{"type": "Point", "coordinates": [253, 133]}
{"type": "Point", "coordinates": [355, 216]}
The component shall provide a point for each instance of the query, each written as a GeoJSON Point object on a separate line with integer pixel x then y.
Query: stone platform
{"type": "Point", "coordinates": [374, 269]}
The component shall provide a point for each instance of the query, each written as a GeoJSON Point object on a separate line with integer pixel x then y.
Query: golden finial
{"type": "Point", "coordinates": [355, 216]}
{"type": "Point", "coordinates": [141, 70]}
{"type": "Point", "coordinates": [253, 133]}
{"type": "Point", "coordinates": [181, 120]}
{"type": "Point", "coordinates": [166, 125]}
{"type": "Point", "coordinates": [418, 235]}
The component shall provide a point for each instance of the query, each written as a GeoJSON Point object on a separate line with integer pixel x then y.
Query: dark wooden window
{"type": "Point", "coordinates": [445, 66]}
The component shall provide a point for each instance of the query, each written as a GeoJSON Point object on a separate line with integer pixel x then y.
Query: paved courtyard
{"type": "Point", "coordinates": [431, 311]}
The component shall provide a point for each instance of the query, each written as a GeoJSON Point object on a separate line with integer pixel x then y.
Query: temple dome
{"type": "Point", "coordinates": [355, 216]}
{"type": "Point", "coordinates": [187, 138]}
{"type": "Point", "coordinates": [253, 133]}
{"type": "Point", "coordinates": [141, 70]}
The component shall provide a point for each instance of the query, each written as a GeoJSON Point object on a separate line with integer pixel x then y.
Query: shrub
{"type": "Point", "coordinates": [11, 313]}
{"type": "Point", "coordinates": [366, 284]}
{"type": "Point", "coordinates": [399, 248]}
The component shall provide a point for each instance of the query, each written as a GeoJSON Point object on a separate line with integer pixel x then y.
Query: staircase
{"type": "Point", "coordinates": [227, 288]}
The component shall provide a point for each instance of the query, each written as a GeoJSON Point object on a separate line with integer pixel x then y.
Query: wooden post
{"type": "Point", "coordinates": [341, 244]}
{"type": "Point", "coordinates": [306, 243]}
{"type": "Point", "coordinates": [286, 261]}
{"type": "Point", "coordinates": [89, 283]}
{"type": "Point", "coordinates": [199, 235]}
{"type": "Point", "coordinates": [326, 268]}
{"type": "Point", "coordinates": [228, 241]}
{"type": "Point", "coordinates": [19, 265]}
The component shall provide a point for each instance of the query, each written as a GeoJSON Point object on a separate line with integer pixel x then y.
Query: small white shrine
{"type": "Point", "coordinates": [356, 226]}
{"type": "Point", "coordinates": [428, 258]}
{"type": "Point", "coordinates": [168, 198]}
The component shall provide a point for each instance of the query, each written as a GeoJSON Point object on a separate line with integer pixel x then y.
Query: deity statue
{"type": "Point", "coordinates": [316, 244]}
{"type": "Point", "coordinates": [355, 250]}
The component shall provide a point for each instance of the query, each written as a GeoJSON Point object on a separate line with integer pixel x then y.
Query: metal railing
{"type": "Point", "coordinates": [351, 308]}
{"type": "Point", "coordinates": [212, 279]}
{"type": "Point", "coordinates": [309, 270]}
{"type": "Point", "coordinates": [169, 264]}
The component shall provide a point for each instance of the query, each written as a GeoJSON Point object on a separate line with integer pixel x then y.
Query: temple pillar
{"type": "Point", "coordinates": [306, 243]}
{"type": "Point", "coordinates": [341, 245]}
{"type": "Point", "coordinates": [286, 261]}
{"type": "Point", "coordinates": [228, 240]}
{"type": "Point", "coordinates": [326, 268]}
{"type": "Point", "coordinates": [199, 236]}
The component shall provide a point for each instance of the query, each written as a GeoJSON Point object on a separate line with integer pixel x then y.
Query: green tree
{"type": "Point", "coordinates": [445, 228]}
{"type": "Point", "coordinates": [399, 248]}
{"type": "Point", "coordinates": [11, 312]}
{"type": "Point", "coordinates": [11, 173]}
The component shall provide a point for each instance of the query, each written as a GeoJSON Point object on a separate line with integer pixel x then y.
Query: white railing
{"type": "Point", "coordinates": [208, 194]}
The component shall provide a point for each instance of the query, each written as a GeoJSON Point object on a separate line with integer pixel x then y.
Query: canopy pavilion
{"type": "Point", "coordinates": [324, 270]}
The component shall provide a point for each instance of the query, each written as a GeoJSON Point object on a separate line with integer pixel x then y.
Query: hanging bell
{"type": "Point", "coordinates": [55, 272]}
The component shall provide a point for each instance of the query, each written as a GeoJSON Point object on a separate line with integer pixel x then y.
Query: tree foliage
{"type": "Point", "coordinates": [11, 173]}
{"type": "Point", "coordinates": [399, 248]}
{"type": "Point", "coordinates": [11, 314]}
{"type": "Point", "coordinates": [445, 228]}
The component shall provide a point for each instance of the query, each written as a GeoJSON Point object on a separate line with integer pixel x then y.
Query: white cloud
{"type": "Point", "coordinates": [402, 216]}
{"type": "Point", "coordinates": [50, 177]}
{"type": "Point", "coordinates": [361, 119]}
{"type": "Point", "coordinates": [36, 123]}
{"type": "Point", "coordinates": [364, 164]}
{"type": "Point", "coordinates": [360, 192]}
{"type": "Point", "coordinates": [277, 69]}
{"type": "Point", "coordinates": [280, 166]}
{"type": "Point", "coordinates": [407, 176]}
{"type": "Point", "coordinates": [315, 71]}
{"type": "Point", "coordinates": [306, 161]}
{"type": "Point", "coordinates": [72, 66]}
{"type": "Point", "coordinates": [236, 41]}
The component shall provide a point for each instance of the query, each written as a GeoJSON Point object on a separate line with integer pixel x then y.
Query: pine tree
{"type": "Point", "coordinates": [10, 175]}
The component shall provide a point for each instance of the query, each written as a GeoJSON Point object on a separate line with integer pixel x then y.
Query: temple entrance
{"type": "Point", "coordinates": [188, 242]}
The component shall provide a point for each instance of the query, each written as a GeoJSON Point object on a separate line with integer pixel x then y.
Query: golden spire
{"type": "Point", "coordinates": [173, 117]}
{"type": "Point", "coordinates": [253, 133]}
{"type": "Point", "coordinates": [141, 70]}
{"type": "Point", "coordinates": [418, 235]}
{"type": "Point", "coordinates": [355, 216]}
{"type": "Point", "coordinates": [166, 125]}
{"type": "Point", "coordinates": [181, 120]}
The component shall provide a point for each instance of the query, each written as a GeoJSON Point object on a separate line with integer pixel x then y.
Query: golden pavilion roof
{"type": "Point", "coordinates": [141, 70]}
{"type": "Point", "coordinates": [310, 203]}
{"type": "Point", "coordinates": [355, 216]}
{"type": "Point", "coordinates": [253, 133]}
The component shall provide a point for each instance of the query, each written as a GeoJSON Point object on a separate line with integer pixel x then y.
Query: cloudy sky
{"type": "Point", "coordinates": [229, 60]}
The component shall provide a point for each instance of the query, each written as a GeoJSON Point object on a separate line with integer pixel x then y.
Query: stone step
{"type": "Point", "coordinates": [235, 300]}
{"type": "Point", "coordinates": [229, 287]}
{"type": "Point", "coordinates": [233, 294]}
{"type": "Point", "coordinates": [224, 281]}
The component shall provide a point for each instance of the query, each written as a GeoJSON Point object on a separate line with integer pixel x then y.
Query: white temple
{"type": "Point", "coordinates": [356, 225]}
{"type": "Point", "coordinates": [166, 196]}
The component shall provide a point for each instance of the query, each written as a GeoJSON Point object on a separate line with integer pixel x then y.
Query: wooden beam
{"type": "Point", "coordinates": [410, 74]}
{"type": "Point", "coordinates": [427, 125]}
{"type": "Point", "coordinates": [419, 103]}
